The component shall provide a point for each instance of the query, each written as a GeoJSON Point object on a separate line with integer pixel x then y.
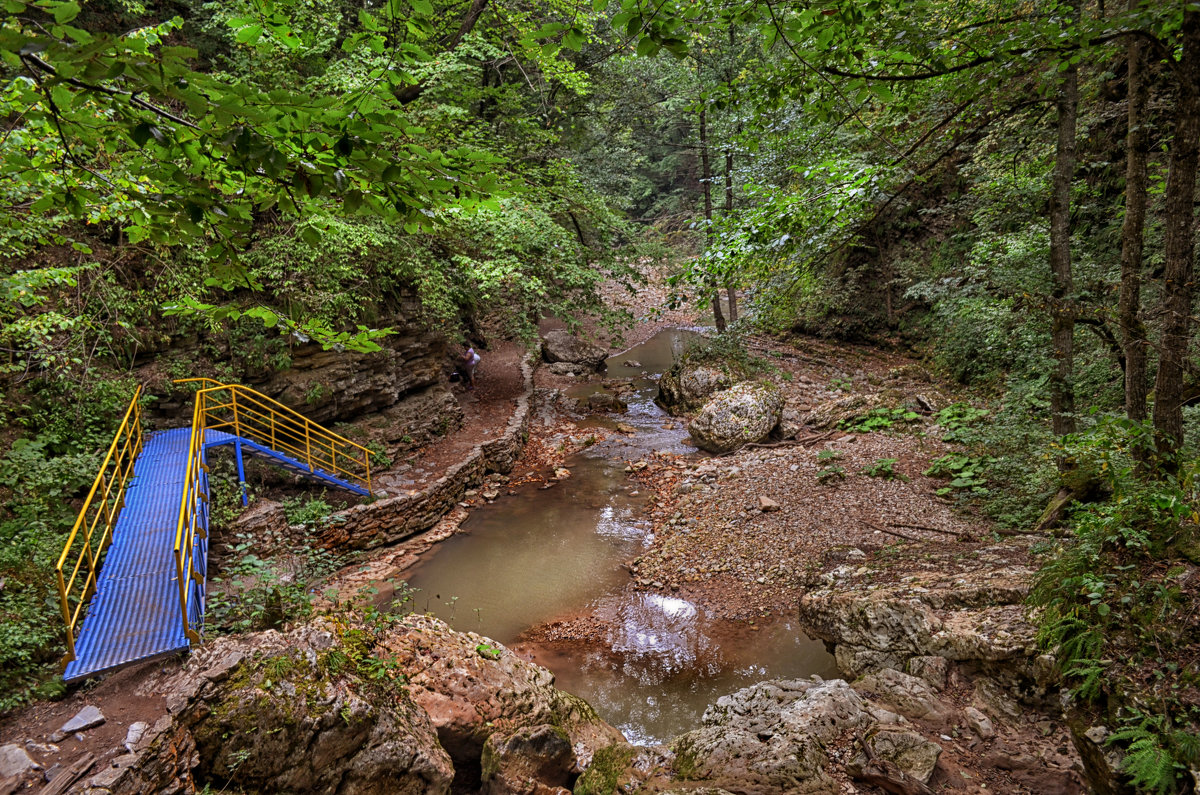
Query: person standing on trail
{"type": "Point", "coordinates": [466, 364]}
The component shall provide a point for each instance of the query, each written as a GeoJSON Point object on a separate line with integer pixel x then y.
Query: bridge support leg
{"type": "Point", "coordinates": [237, 445]}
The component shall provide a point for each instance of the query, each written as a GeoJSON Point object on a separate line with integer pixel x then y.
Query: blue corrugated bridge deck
{"type": "Point", "coordinates": [135, 612]}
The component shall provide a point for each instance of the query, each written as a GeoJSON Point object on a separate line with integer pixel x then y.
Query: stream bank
{"type": "Point", "coordinates": [983, 719]}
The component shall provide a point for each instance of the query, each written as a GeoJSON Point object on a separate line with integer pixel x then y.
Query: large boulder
{"type": "Point", "coordinates": [335, 707]}
{"type": "Point", "coordinates": [971, 614]}
{"type": "Point", "coordinates": [560, 345]}
{"type": "Point", "coordinates": [738, 416]}
{"type": "Point", "coordinates": [771, 737]}
{"type": "Point", "coordinates": [283, 713]}
{"type": "Point", "coordinates": [687, 386]}
{"type": "Point", "coordinates": [472, 687]}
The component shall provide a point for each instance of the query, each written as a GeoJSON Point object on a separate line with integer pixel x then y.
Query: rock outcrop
{"type": "Point", "coordinates": [283, 712]}
{"type": "Point", "coordinates": [737, 416]}
{"type": "Point", "coordinates": [560, 345]}
{"type": "Point", "coordinates": [326, 708]}
{"type": "Point", "coordinates": [978, 617]}
{"type": "Point", "coordinates": [472, 687]}
{"type": "Point", "coordinates": [404, 381]}
{"type": "Point", "coordinates": [772, 737]}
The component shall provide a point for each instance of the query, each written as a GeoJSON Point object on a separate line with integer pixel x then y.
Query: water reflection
{"type": "Point", "coordinates": [557, 553]}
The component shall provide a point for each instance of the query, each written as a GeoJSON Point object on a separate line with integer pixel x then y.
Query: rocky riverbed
{"type": "Point", "coordinates": [941, 687]}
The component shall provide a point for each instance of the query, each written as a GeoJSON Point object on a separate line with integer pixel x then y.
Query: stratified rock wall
{"type": "Point", "coordinates": [405, 381]}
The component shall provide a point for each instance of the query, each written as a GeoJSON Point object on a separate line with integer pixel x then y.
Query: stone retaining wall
{"type": "Point", "coordinates": [393, 519]}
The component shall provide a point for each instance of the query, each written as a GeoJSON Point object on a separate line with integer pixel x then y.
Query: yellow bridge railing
{"type": "Point", "coordinates": [83, 553]}
{"type": "Point", "coordinates": [248, 414]}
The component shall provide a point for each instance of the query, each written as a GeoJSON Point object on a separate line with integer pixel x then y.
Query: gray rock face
{"type": "Point", "coordinates": [533, 761]}
{"type": "Point", "coordinates": [908, 695]}
{"type": "Point", "coordinates": [87, 718]}
{"type": "Point", "coordinates": [404, 379]}
{"type": "Point", "coordinates": [984, 622]}
{"type": "Point", "coordinates": [769, 737]}
{"type": "Point", "coordinates": [560, 345]}
{"type": "Point", "coordinates": [687, 386]}
{"type": "Point", "coordinates": [14, 761]}
{"type": "Point", "coordinates": [740, 415]}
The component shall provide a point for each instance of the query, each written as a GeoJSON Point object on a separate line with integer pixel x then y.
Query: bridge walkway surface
{"type": "Point", "coordinates": [144, 528]}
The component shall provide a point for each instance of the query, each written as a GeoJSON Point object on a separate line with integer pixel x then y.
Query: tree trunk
{"type": "Point", "coordinates": [1178, 229]}
{"type": "Point", "coordinates": [1137, 137]}
{"type": "Point", "coordinates": [730, 290]}
{"type": "Point", "coordinates": [1062, 325]}
{"type": "Point", "coordinates": [706, 178]}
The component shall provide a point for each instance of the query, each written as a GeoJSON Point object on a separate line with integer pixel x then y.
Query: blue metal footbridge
{"type": "Point", "coordinates": [132, 575]}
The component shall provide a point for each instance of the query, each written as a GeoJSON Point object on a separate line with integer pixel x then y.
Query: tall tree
{"type": "Point", "coordinates": [1137, 145]}
{"type": "Point", "coordinates": [1179, 231]}
{"type": "Point", "coordinates": [706, 180]}
{"type": "Point", "coordinates": [1062, 319]}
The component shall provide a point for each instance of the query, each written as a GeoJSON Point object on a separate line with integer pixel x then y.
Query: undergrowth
{"type": "Point", "coordinates": [1117, 612]}
{"type": "Point", "coordinates": [62, 429]}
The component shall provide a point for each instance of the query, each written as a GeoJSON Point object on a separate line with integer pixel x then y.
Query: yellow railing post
{"type": "Point", "coordinates": [308, 447]}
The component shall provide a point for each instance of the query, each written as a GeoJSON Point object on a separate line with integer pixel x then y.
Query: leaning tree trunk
{"type": "Point", "coordinates": [1137, 137]}
{"type": "Point", "coordinates": [1062, 322]}
{"type": "Point", "coordinates": [1178, 229]}
{"type": "Point", "coordinates": [706, 177]}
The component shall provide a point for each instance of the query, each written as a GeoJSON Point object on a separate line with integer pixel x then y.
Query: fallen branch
{"type": "Point", "coordinates": [896, 533]}
{"type": "Point", "coordinates": [883, 773]}
{"type": "Point", "coordinates": [807, 440]}
{"type": "Point", "coordinates": [1054, 511]}
{"type": "Point", "coordinates": [63, 781]}
{"type": "Point", "coordinates": [926, 527]}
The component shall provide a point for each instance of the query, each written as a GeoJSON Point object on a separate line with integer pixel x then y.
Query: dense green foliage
{"type": "Point", "coordinates": [255, 173]}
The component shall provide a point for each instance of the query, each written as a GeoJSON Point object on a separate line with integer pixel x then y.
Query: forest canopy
{"type": "Point", "coordinates": [1006, 189]}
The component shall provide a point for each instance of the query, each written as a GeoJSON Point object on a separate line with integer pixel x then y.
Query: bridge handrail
{"type": "Point", "coordinates": [122, 452]}
{"type": "Point", "coordinates": [255, 417]}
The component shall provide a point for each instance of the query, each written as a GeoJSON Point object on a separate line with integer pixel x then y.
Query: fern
{"type": "Point", "coordinates": [1150, 765]}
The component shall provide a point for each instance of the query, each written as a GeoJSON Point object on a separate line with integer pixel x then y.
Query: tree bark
{"type": "Point", "coordinates": [1137, 144]}
{"type": "Point", "coordinates": [1062, 322]}
{"type": "Point", "coordinates": [706, 179]}
{"type": "Point", "coordinates": [1178, 230]}
{"type": "Point", "coordinates": [730, 290]}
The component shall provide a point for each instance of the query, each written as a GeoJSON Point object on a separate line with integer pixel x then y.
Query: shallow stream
{"type": "Point", "coordinates": [541, 556]}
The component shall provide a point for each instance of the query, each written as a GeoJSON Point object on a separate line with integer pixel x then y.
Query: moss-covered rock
{"type": "Point", "coordinates": [267, 712]}
{"type": "Point", "coordinates": [470, 695]}
{"type": "Point", "coordinates": [738, 416]}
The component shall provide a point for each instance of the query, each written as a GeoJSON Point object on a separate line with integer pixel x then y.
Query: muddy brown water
{"type": "Point", "coordinates": [538, 556]}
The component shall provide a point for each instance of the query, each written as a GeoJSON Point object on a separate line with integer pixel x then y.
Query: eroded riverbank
{"type": "Point", "coordinates": [546, 571]}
